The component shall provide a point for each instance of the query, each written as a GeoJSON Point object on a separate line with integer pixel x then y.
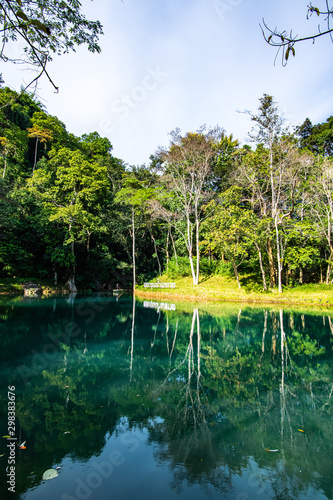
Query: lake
{"type": "Point", "coordinates": [127, 398]}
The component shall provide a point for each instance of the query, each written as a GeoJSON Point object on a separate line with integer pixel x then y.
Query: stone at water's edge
{"type": "Point", "coordinates": [31, 289]}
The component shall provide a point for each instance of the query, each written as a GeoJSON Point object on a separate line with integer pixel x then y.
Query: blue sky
{"type": "Point", "coordinates": [183, 63]}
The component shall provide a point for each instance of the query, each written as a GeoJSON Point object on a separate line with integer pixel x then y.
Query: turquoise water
{"type": "Point", "coordinates": [148, 400]}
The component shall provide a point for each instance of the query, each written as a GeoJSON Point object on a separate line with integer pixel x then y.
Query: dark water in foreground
{"type": "Point", "coordinates": [153, 401]}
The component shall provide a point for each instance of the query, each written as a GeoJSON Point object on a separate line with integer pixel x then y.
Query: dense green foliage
{"type": "Point", "coordinates": [72, 211]}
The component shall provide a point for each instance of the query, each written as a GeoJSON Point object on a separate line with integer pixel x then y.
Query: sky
{"type": "Point", "coordinates": [184, 63]}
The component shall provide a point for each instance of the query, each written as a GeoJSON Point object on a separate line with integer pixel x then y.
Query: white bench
{"type": "Point", "coordinates": [159, 285]}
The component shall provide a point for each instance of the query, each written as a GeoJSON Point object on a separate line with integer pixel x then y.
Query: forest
{"type": "Point", "coordinates": [73, 213]}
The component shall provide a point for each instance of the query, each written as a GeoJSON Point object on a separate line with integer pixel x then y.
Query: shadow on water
{"type": "Point", "coordinates": [158, 400]}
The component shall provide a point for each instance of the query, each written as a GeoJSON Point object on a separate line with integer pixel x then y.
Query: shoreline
{"type": "Point", "coordinates": [194, 298]}
{"type": "Point", "coordinates": [224, 289]}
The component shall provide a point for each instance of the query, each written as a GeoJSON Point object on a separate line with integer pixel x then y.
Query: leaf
{"type": "Point", "coordinates": [50, 474]}
{"type": "Point", "coordinates": [40, 26]}
{"type": "Point", "coordinates": [22, 15]}
{"type": "Point", "coordinates": [6, 436]}
{"type": "Point", "coordinates": [300, 430]}
{"type": "Point", "coordinates": [272, 451]}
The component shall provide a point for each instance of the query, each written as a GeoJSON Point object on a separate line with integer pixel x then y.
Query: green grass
{"type": "Point", "coordinates": [226, 289]}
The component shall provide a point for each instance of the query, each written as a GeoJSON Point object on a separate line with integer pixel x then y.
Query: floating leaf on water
{"type": "Point", "coordinates": [6, 436]}
{"type": "Point", "coordinates": [300, 430]}
{"type": "Point", "coordinates": [272, 451]}
{"type": "Point", "coordinates": [3, 455]}
{"type": "Point", "coordinates": [67, 432]}
{"type": "Point", "coordinates": [50, 474]}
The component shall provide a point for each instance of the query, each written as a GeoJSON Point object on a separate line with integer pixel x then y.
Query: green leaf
{"type": "Point", "coordinates": [22, 15]}
{"type": "Point", "coordinates": [40, 26]}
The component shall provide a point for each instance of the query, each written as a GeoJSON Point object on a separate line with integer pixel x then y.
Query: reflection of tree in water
{"type": "Point", "coordinates": [231, 402]}
{"type": "Point", "coordinates": [226, 387]}
{"type": "Point", "coordinates": [186, 430]}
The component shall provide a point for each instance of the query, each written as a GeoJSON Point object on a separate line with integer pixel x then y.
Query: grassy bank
{"type": "Point", "coordinates": [226, 289]}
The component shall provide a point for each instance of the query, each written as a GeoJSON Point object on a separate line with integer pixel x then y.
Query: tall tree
{"type": "Point", "coordinates": [321, 206]}
{"type": "Point", "coordinates": [69, 188]}
{"type": "Point", "coordinates": [137, 190]}
{"type": "Point", "coordinates": [284, 168]}
{"type": "Point", "coordinates": [187, 167]}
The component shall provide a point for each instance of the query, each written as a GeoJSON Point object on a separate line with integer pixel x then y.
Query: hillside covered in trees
{"type": "Point", "coordinates": [71, 211]}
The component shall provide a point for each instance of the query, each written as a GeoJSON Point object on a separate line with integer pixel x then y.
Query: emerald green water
{"type": "Point", "coordinates": [160, 401]}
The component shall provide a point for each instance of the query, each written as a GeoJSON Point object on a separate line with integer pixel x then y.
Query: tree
{"type": "Point", "coordinates": [225, 232]}
{"type": "Point", "coordinates": [135, 193]}
{"type": "Point", "coordinates": [45, 27]}
{"type": "Point", "coordinates": [187, 172]}
{"type": "Point", "coordinates": [69, 188]}
{"type": "Point", "coordinates": [286, 41]}
{"type": "Point", "coordinates": [41, 135]}
{"type": "Point", "coordinates": [282, 169]}
{"type": "Point", "coordinates": [13, 147]}
{"type": "Point", "coordinates": [317, 138]}
{"type": "Point", "coordinates": [321, 207]}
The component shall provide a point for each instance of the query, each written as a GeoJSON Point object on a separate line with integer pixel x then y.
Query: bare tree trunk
{"type": "Point", "coordinates": [167, 250]}
{"type": "Point", "coordinates": [4, 166]}
{"type": "Point", "coordinates": [132, 337]}
{"type": "Point", "coordinates": [174, 247]}
{"type": "Point", "coordinates": [278, 255]}
{"type": "Point", "coordinates": [88, 244]}
{"type": "Point", "coordinates": [329, 268]}
{"type": "Point", "coordinates": [263, 274]}
{"type": "Point", "coordinates": [236, 273]}
{"type": "Point", "coordinates": [133, 249]}
{"type": "Point", "coordinates": [71, 281]}
{"type": "Point", "coordinates": [155, 248]}
{"type": "Point", "coordinates": [197, 244]}
{"type": "Point", "coordinates": [189, 243]}
{"type": "Point", "coordinates": [271, 263]}
{"type": "Point", "coordinates": [35, 159]}
{"type": "Point", "coordinates": [300, 275]}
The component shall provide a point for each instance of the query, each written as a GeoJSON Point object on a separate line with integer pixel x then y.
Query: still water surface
{"type": "Point", "coordinates": [148, 400]}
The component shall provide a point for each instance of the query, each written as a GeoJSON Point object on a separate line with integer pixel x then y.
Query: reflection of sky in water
{"type": "Point", "coordinates": [188, 405]}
